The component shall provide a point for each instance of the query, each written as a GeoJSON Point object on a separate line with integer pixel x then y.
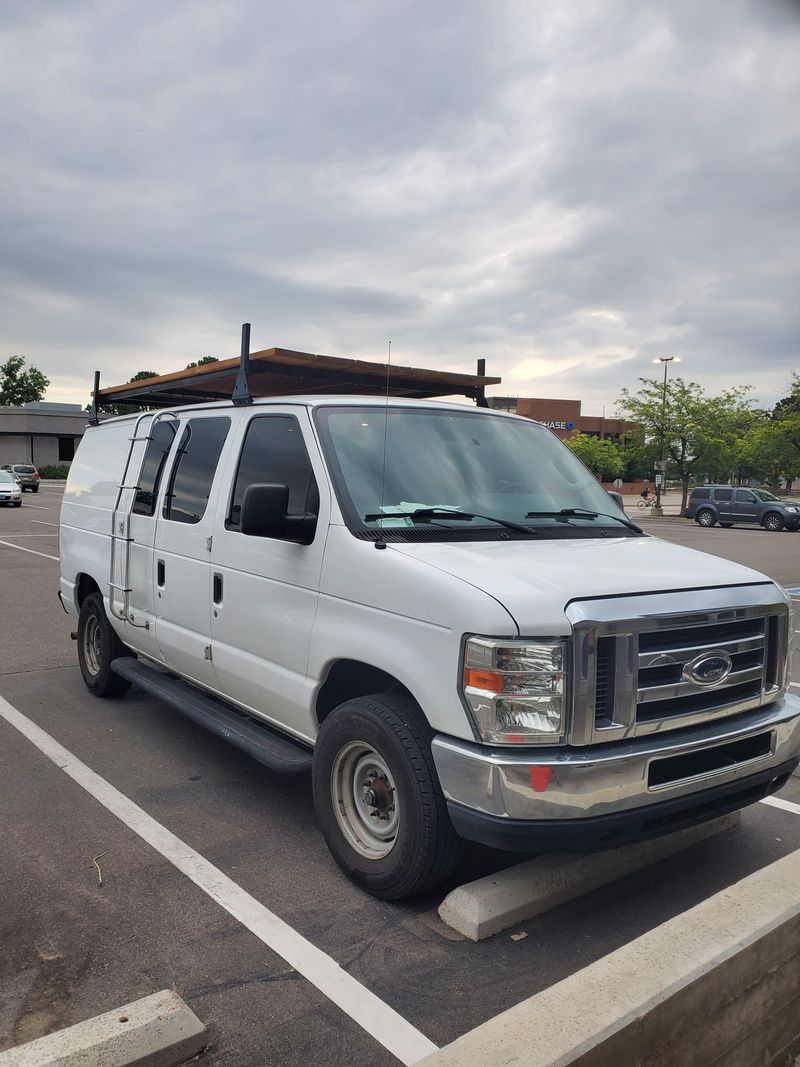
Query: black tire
{"type": "Point", "coordinates": [425, 848]}
{"type": "Point", "coordinates": [773, 522]}
{"type": "Point", "coordinates": [18, 504]}
{"type": "Point", "coordinates": [705, 518]}
{"type": "Point", "coordinates": [34, 488]}
{"type": "Point", "coordinates": [726, 525]}
{"type": "Point", "coordinates": [98, 645]}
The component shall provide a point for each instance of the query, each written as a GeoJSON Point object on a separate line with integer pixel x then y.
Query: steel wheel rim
{"type": "Point", "coordinates": [365, 800]}
{"type": "Point", "coordinates": [92, 645]}
{"type": "Point", "coordinates": [705, 519]}
{"type": "Point", "coordinates": [772, 523]}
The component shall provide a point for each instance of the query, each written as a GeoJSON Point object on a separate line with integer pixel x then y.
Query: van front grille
{"type": "Point", "coordinates": [642, 674]}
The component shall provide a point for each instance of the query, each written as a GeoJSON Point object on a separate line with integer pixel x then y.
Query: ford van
{"type": "Point", "coordinates": [436, 612]}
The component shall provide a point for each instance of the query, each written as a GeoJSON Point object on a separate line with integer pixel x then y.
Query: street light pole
{"type": "Point", "coordinates": [666, 360]}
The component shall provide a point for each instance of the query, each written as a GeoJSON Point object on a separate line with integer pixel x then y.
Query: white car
{"type": "Point", "coordinates": [438, 611]}
{"type": "Point", "coordinates": [10, 490]}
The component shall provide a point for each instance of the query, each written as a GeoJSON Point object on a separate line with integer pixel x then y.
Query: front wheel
{"type": "Point", "coordinates": [98, 645]}
{"type": "Point", "coordinates": [378, 798]}
{"type": "Point", "coordinates": [773, 522]}
{"type": "Point", "coordinates": [705, 518]}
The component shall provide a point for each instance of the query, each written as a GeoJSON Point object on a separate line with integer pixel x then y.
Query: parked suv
{"type": "Point", "coordinates": [26, 474]}
{"type": "Point", "coordinates": [437, 611]}
{"type": "Point", "coordinates": [727, 505]}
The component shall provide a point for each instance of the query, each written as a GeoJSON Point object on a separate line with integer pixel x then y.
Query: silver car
{"type": "Point", "coordinates": [26, 474]}
{"type": "Point", "coordinates": [10, 490]}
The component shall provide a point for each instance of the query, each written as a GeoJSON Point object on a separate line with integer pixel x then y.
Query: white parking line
{"type": "Point", "coordinates": [41, 522]}
{"type": "Point", "coordinates": [785, 805]}
{"type": "Point", "coordinates": [32, 551]}
{"type": "Point", "coordinates": [38, 507]}
{"type": "Point", "coordinates": [379, 1020]}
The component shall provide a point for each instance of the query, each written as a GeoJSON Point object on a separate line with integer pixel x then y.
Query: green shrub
{"type": "Point", "coordinates": [59, 470]}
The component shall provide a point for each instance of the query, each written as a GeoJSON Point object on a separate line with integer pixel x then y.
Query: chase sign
{"type": "Point", "coordinates": [558, 425]}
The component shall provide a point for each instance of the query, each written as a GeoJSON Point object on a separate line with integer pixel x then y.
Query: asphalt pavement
{"type": "Point", "coordinates": [76, 940]}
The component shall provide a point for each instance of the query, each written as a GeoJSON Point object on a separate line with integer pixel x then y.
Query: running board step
{"type": "Point", "coordinates": [275, 751]}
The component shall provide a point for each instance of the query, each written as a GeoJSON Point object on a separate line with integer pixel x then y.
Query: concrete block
{"type": "Point", "coordinates": [489, 905]}
{"type": "Point", "coordinates": [156, 1031]}
{"type": "Point", "coordinates": [717, 986]}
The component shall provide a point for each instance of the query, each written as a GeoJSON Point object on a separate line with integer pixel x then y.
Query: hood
{"type": "Point", "coordinates": [535, 580]}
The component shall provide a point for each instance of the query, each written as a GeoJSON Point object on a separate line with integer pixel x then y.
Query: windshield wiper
{"type": "Point", "coordinates": [438, 513]}
{"type": "Point", "coordinates": [579, 512]}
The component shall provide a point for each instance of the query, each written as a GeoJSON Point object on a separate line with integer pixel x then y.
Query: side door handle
{"type": "Point", "coordinates": [160, 572]}
{"type": "Point", "coordinates": [217, 594]}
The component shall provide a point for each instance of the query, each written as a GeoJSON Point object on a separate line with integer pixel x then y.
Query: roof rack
{"type": "Point", "coordinates": [283, 372]}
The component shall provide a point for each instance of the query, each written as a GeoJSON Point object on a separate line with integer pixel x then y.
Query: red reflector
{"type": "Point", "coordinates": [540, 778]}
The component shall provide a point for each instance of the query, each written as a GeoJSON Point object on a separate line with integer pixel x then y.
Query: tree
{"type": "Point", "coordinates": [700, 433]}
{"type": "Point", "coordinates": [18, 386]}
{"type": "Point", "coordinates": [790, 405]}
{"type": "Point", "coordinates": [772, 447]}
{"type": "Point", "coordinates": [601, 456]}
{"type": "Point", "coordinates": [130, 409]}
{"type": "Point", "coordinates": [202, 362]}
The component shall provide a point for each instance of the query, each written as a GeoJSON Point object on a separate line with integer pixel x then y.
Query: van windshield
{"type": "Point", "coordinates": [490, 466]}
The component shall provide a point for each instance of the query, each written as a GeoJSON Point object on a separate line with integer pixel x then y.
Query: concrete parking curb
{"type": "Point", "coordinates": [718, 984]}
{"type": "Point", "coordinates": [156, 1031]}
{"type": "Point", "coordinates": [489, 905]}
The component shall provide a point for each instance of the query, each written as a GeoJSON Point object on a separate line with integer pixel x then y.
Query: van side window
{"type": "Point", "coordinates": [274, 452]}
{"type": "Point", "coordinates": [196, 462]}
{"type": "Point", "coordinates": [700, 494]}
{"type": "Point", "coordinates": [744, 496]}
{"type": "Point", "coordinates": [154, 459]}
{"type": "Point", "coordinates": [723, 494]}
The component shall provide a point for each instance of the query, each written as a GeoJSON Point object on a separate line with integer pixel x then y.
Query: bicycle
{"type": "Point", "coordinates": [645, 505]}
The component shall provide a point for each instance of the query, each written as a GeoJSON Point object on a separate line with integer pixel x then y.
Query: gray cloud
{"type": "Point", "coordinates": [565, 189]}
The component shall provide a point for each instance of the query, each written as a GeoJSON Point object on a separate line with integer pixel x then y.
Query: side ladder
{"type": "Point", "coordinates": [119, 580]}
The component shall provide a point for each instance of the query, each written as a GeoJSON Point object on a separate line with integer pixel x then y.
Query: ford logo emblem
{"type": "Point", "coordinates": [709, 669]}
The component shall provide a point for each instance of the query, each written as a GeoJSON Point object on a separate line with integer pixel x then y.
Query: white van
{"type": "Point", "coordinates": [439, 612]}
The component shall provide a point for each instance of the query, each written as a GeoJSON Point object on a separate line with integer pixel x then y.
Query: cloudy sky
{"type": "Point", "coordinates": [565, 188]}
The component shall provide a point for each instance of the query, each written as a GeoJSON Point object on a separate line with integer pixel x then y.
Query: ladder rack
{"type": "Point", "coordinates": [119, 587]}
{"type": "Point", "coordinates": [285, 372]}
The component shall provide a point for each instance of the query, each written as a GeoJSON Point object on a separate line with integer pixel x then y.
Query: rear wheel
{"type": "Point", "coordinates": [773, 522]}
{"type": "Point", "coordinates": [378, 798]}
{"type": "Point", "coordinates": [34, 488]}
{"type": "Point", "coordinates": [705, 517]}
{"type": "Point", "coordinates": [98, 645]}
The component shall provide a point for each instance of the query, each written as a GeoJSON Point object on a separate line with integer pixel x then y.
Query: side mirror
{"type": "Point", "coordinates": [618, 499]}
{"type": "Point", "coordinates": [265, 513]}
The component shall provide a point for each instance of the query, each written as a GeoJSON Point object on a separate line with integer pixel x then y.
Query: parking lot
{"type": "Point", "coordinates": [93, 916]}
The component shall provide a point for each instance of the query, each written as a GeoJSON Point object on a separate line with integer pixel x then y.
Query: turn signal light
{"type": "Point", "coordinates": [488, 680]}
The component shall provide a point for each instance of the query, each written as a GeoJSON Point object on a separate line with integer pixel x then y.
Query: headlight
{"type": "Point", "coordinates": [516, 690]}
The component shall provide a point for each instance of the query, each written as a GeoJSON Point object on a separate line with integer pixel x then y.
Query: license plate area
{"type": "Point", "coordinates": [706, 762]}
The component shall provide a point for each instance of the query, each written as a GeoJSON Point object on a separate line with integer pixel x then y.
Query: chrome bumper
{"type": "Point", "coordinates": [584, 783]}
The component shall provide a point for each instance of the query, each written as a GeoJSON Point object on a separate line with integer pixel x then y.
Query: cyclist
{"type": "Point", "coordinates": [645, 494]}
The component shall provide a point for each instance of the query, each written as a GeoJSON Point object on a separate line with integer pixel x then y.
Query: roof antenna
{"type": "Point", "coordinates": [381, 542]}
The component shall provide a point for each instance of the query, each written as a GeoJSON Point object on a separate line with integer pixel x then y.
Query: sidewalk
{"type": "Point", "coordinates": [671, 506]}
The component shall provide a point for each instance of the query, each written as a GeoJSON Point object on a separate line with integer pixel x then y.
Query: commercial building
{"type": "Point", "coordinates": [563, 417]}
{"type": "Point", "coordinates": [43, 434]}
